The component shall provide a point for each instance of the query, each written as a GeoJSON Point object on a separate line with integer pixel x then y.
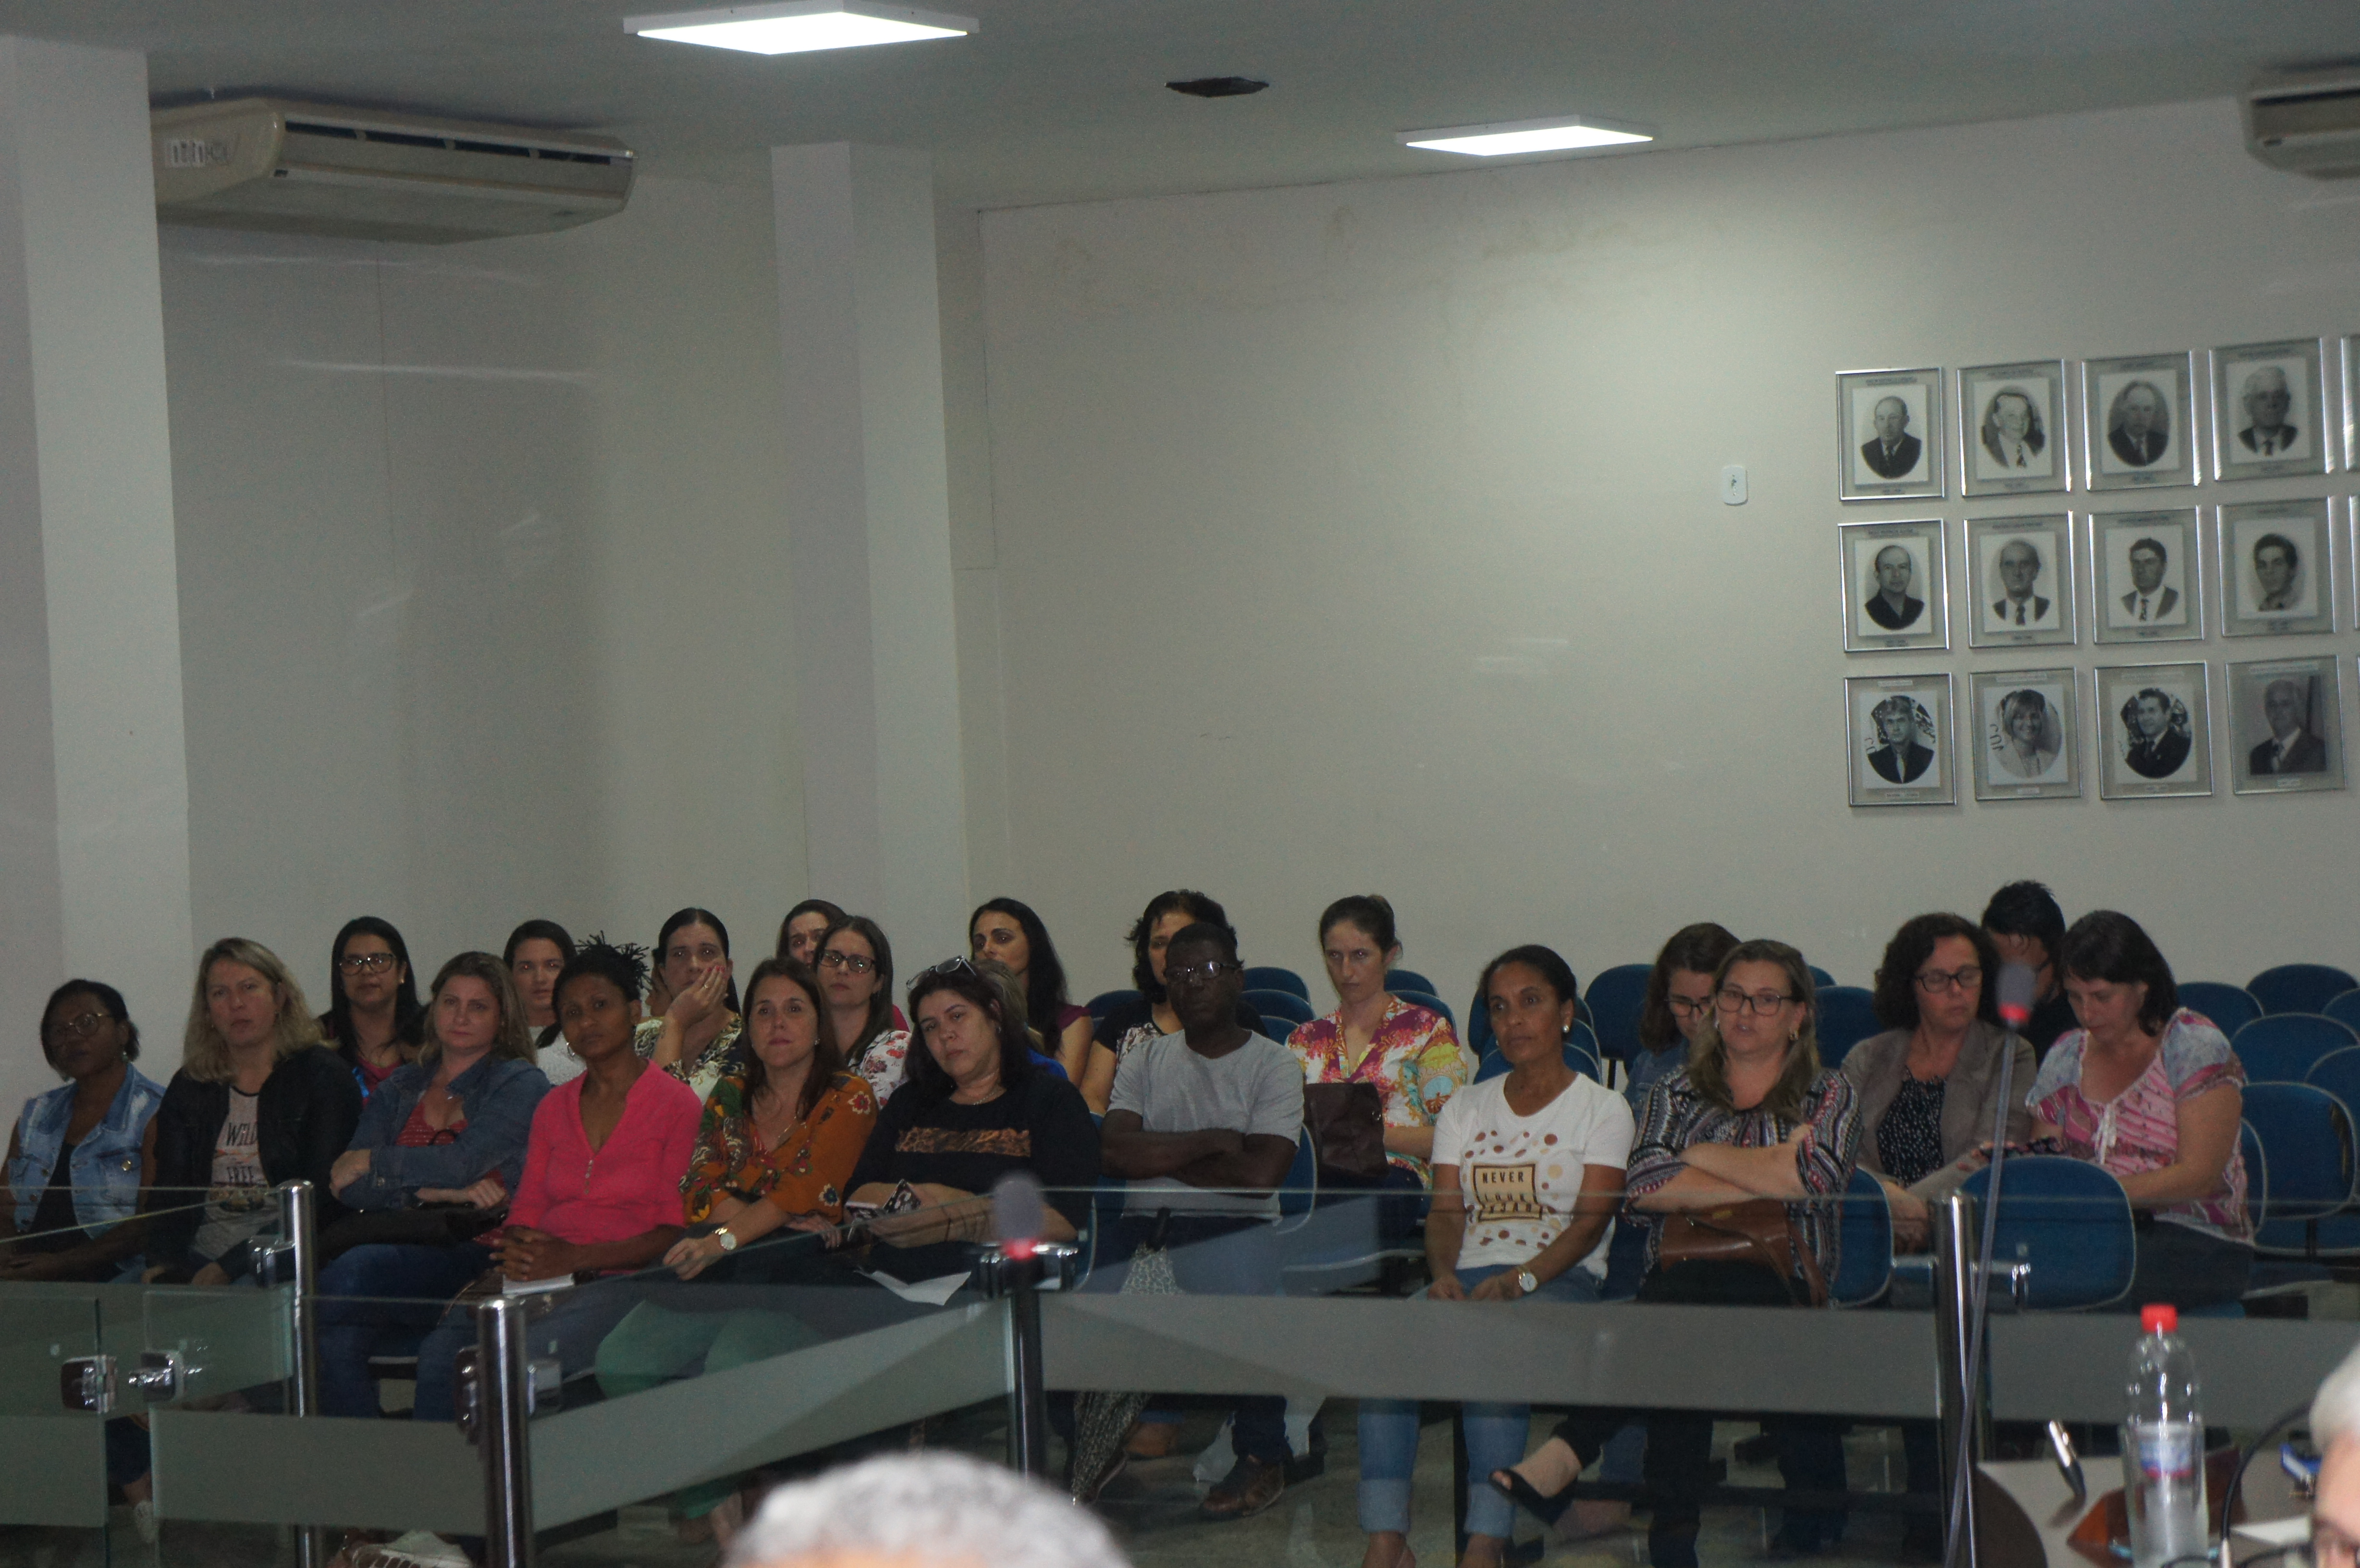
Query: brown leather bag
{"type": "Point", "coordinates": [1347, 1129]}
{"type": "Point", "coordinates": [1756, 1231]}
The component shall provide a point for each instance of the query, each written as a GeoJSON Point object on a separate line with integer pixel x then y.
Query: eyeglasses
{"type": "Point", "coordinates": [1688, 1007]}
{"type": "Point", "coordinates": [365, 962]}
{"type": "Point", "coordinates": [1729, 999]}
{"type": "Point", "coordinates": [834, 959]}
{"type": "Point", "coordinates": [949, 969]}
{"type": "Point", "coordinates": [81, 1027]}
{"type": "Point", "coordinates": [1198, 974]}
{"type": "Point", "coordinates": [1934, 982]}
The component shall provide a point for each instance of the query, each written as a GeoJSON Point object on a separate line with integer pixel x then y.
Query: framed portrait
{"type": "Point", "coordinates": [2150, 581]}
{"type": "Point", "coordinates": [2286, 726]}
{"type": "Point", "coordinates": [2025, 723]}
{"type": "Point", "coordinates": [1894, 593]}
{"type": "Point", "coordinates": [1889, 434]}
{"type": "Point", "coordinates": [2155, 731]}
{"type": "Point", "coordinates": [2020, 581]}
{"type": "Point", "coordinates": [1896, 739]}
{"type": "Point", "coordinates": [2270, 409]}
{"type": "Point", "coordinates": [2277, 567]}
{"type": "Point", "coordinates": [2012, 429]}
{"type": "Point", "coordinates": [2351, 384]}
{"type": "Point", "coordinates": [2138, 421]}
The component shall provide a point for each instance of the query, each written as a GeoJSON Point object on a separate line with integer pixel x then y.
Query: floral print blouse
{"type": "Point", "coordinates": [804, 1175]}
{"type": "Point", "coordinates": [705, 1071]}
{"type": "Point", "coordinates": [885, 1063]}
{"type": "Point", "coordinates": [1416, 1060]}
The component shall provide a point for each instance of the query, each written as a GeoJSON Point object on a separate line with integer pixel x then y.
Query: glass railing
{"type": "Point", "coordinates": [1306, 1345]}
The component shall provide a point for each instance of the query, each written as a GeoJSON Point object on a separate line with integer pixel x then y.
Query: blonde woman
{"type": "Point", "coordinates": [257, 1101]}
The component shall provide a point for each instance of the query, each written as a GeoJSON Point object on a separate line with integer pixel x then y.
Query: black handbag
{"type": "Point", "coordinates": [430, 1224]}
{"type": "Point", "coordinates": [1348, 1130]}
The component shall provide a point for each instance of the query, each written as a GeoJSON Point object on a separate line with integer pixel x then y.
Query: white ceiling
{"type": "Point", "coordinates": [1059, 100]}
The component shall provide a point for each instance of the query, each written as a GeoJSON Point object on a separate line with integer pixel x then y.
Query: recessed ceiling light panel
{"type": "Point", "coordinates": [797, 26]}
{"type": "Point", "coordinates": [1217, 86]}
{"type": "Point", "coordinates": [1567, 132]}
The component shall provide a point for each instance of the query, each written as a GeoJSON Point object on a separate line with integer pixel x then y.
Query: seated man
{"type": "Point", "coordinates": [1203, 1124]}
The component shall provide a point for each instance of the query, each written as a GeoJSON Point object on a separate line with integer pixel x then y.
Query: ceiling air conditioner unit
{"type": "Point", "coordinates": [266, 163]}
{"type": "Point", "coordinates": [2307, 124]}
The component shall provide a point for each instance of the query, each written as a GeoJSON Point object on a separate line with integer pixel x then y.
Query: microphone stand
{"type": "Point", "coordinates": [1955, 1548]}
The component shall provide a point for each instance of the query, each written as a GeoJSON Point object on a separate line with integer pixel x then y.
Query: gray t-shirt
{"type": "Point", "coordinates": [1257, 1089]}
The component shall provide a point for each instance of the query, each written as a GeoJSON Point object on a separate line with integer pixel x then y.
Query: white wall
{"type": "Point", "coordinates": [1366, 536]}
{"type": "Point", "coordinates": [483, 580]}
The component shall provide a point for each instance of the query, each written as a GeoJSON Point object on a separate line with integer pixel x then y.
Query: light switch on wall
{"type": "Point", "coordinates": [1732, 485]}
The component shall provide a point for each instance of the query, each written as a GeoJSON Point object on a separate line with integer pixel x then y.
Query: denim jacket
{"type": "Point", "coordinates": [498, 1096]}
{"type": "Point", "coordinates": [105, 1167]}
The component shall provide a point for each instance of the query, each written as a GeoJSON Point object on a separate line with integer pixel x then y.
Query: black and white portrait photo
{"type": "Point", "coordinates": [1892, 585]}
{"type": "Point", "coordinates": [2286, 726]}
{"type": "Point", "coordinates": [1890, 434]}
{"type": "Point", "coordinates": [2150, 580]}
{"type": "Point", "coordinates": [2023, 742]}
{"type": "Point", "coordinates": [2020, 571]}
{"type": "Point", "coordinates": [2277, 567]}
{"type": "Point", "coordinates": [2267, 400]}
{"type": "Point", "coordinates": [2013, 429]}
{"type": "Point", "coordinates": [1897, 728]}
{"type": "Point", "coordinates": [2156, 730]}
{"type": "Point", "coordinates": [2139, 418]}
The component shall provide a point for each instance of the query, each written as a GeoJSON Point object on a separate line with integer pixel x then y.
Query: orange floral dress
{"type": "Point", "coordinates": [804, 1175]}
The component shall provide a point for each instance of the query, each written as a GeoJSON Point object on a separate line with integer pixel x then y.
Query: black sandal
{"type": "Point", "coordinates": [1525, 1494]}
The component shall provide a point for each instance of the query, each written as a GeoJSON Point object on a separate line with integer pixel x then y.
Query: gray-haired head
{"type": "Point", "coordinates": [923, 1508]}
{"type": "Point", "coordinates": [2335, 1409]}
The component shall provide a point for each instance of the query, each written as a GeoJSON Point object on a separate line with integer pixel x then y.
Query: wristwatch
{"type": "Point", "coordinates": [729, 1242]}
{"type": "Point", "coordinates": [1526, 1282]}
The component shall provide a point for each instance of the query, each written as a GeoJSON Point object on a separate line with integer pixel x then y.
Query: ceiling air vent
{"type": "Point", "coordinates": [2307, 124]}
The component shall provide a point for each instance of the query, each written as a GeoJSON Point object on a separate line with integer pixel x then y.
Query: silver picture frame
{"type": "Point", "coordinates": [2348, 355]}
{"type": "Point", "coordinates": [2136, 598]}
{"type": "Point", "coordinates": [1898, 740]}
{"type": "Point", "coordinates": [2138, 421]}
{"type": "Point", "coordinates": [2154, 729]}
{"type": "Point", "coordinates": [1996, 456]}
{"type": "Point", "coordinates": [2020, 589]}
{"type": "Point", "coordinates": [2255, 384]}
{"type": "Point", "coordinates": [1877, 461]}
{"type": "Point", "coordinates": [2278, 567]}
{"type": "Point", "coordinates": [2286, 726]}
{"type": "Point", "coordinates": [2028, 725]}
{"type": "Point", "coordinates": [1872, 558]}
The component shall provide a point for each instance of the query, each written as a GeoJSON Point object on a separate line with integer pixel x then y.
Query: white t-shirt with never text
{"type": "Point", "coordinates": [1520, 1174]}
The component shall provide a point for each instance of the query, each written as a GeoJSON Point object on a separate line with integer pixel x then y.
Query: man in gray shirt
{"type": "Point", "coordinates": [1202, 1126]}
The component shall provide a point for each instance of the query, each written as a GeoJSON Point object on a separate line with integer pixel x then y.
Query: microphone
{"type": "Point", "coordinates": [2016, 987]}
{"type": "Point", "coordinates": [1018, 1212]}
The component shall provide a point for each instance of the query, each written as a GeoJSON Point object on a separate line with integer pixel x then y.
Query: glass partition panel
{"type": "Point", "coordinates": [54, 1457]}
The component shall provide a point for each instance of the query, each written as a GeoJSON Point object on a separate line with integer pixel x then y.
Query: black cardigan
{"type": "Point", "coordinates": [309, 1107]}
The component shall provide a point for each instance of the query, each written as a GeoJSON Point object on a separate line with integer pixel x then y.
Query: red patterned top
{"type": "Point", "coordinates": [1414, 1060]}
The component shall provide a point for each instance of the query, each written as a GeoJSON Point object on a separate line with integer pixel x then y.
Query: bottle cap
{"type": "Point", "coordinates": [2160, 1317]}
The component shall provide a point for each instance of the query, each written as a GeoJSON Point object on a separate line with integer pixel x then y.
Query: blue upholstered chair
{"type": "Point", "coordinates": [2300, 988]}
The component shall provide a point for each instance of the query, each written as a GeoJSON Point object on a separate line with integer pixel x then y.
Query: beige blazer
{"type": "Point", "coordinates": [1970, 1100]}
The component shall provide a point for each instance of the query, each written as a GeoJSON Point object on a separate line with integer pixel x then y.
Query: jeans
{"type": "Point", "coordinates": [1215, 1254]}
{"type": "Point", "coordinates": [1495, 1438]}
{"type": "Point", "coordinates": [407, 1287]}
{"type": "Point", "coordinates": [570, 1331]}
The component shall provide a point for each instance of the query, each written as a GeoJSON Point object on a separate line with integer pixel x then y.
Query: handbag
{"type": "Point", "coordinates": [433, 1224]}
{"type": "Point", "coordinates": [1348, 1130]}
{"type": "Point", "coordinates": [1103, 1417]}
{"type": "Point", "coordinates": [1758, 1231]}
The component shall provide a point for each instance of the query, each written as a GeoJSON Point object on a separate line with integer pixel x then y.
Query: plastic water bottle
{"type": "Point", "coordinates": [2163, 1446]}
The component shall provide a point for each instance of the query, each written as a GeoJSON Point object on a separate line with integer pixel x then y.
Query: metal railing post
{"type": "Point", "coordinates": [1965, 1414]}
{"type": "Point", "coordinates": [503, 1412]}
{"type": "Point", "coordinates": [298, 1216]}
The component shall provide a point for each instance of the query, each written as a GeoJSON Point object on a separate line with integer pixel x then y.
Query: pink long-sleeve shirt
{"type": "Point", "coordinates": [630, 1185]}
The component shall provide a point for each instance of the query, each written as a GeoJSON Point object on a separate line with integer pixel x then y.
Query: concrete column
{"type": "Point", "coordinates": [93, 768]}
{"type": "Point", "coordinates": [869, 544]}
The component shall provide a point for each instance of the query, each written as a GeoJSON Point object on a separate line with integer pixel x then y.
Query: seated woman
{"type": "Point", "coordinates": [1560, 1141]}
{"type": "Point", "coordinates": [1126, 1027]}
{"type": "Point", "coordinates": [1410, 1053]}
{"type": "Point", "coordinates": [603, 1169]}
{"type": "Point", "coordinates": [975, 1108]}
{"type": "Point", "coordinates": [81, 1152]}
{"type": "Point", "coordinates": [257, 1101]}
{"type": "Point", "coordinates": [777, 1144]}
{"type": "Point", "coordinates": [2151, 1091]}
{"type": "Point", "coordinates": [694, 1035]}
{"type": "Point", "coordinates": [1753, 1114]}
{"type": "Point", "coordinates": [536, 954]}
{"type": "Point", "coordinates": [800, 932]}
{"type": "Point", "coordinates": [373, 1020]}
{"type": "Point", "coordinates": [1009, 933]}
{"type": "Point", "coordinates": [441, 1145]}
{"type": "Point", "coordinates": [856, 973]}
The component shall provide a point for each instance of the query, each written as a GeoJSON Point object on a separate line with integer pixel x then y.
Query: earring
{"type": "Point", "coordinates": [1794, 1036]}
